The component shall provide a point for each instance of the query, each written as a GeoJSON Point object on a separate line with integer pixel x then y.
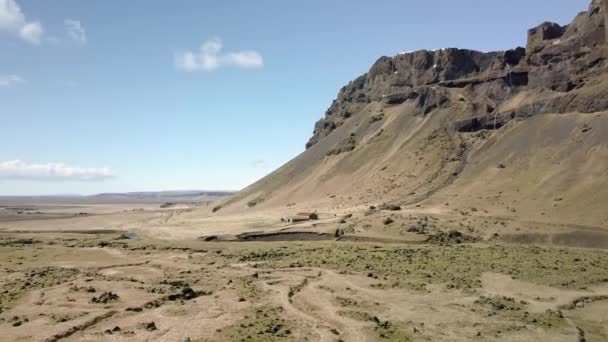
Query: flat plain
{"type": "Point", "coordinates": [113, 272]}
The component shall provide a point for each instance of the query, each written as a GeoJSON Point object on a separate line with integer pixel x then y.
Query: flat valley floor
{"type": "Point", "coordinates": [98, 273]}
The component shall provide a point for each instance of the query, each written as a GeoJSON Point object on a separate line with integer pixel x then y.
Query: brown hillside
{"type": "Point", "coordinates": [522, 133]}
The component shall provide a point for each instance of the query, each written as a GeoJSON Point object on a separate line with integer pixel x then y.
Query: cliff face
{"type": "Point", "coordinates": [556, 58]}
{"type": "Point", "coordinates": [410, 77]}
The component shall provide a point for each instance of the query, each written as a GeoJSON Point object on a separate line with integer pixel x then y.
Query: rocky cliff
{"type": "Point", "coordinates": [557, 58]}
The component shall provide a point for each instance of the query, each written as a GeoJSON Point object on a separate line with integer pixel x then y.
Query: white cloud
{"type": "Point", "coordinates": [11, 16]}
{"type": "Point", "coordinates": [210, 57]}
{"type": "Point", "coordinates": [10, 80]}
{"type": "Point", "coordinates": [13, 21]}
{"type": "Point", "coordinates": [32, 32]}
{"type": "Point", "coordinates": [260, 164]}
{"type": "Point", "coordinates": [52, 172]}
{"type": "Point", "coordinates": [75, 31]}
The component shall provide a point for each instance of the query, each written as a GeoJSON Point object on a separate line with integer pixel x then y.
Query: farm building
{"type": "Point", "coordinates": [300, 217]}
{"type": "Point", "coordinates": [310, 215]}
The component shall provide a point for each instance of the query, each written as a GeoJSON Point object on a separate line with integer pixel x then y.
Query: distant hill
{"type": "Point", "coordinates": [164, 196]}
{"type": "Point", "coordinates": [177, 196]}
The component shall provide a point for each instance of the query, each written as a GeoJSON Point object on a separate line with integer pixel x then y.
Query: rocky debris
{"type": "Point", "coordinates": [451, 237]}
{"type": "Point", "coordinates": [17, 321]}
{"type": "Point", "coordinates": [580, 302]}
{"type": "Point", "coordinates": [16, 242]}
{"type": "Point", "coordinates": [345, 218]}
{"type": "Point", "coordinates": [586, 128]}
{"type": "Point", "coordinates": [388, 221]}
{"type": "Point", "coordinates": [134, 309]}
{"type": "Point", "coordinates": [103, 244]}
{"type": "Point", "coordinates": [113, 331]}
{"type": "Point", "coordinates": [168, 205]}
{"type": "Point", "coordinates": [376, 118]}
{"type": "Point", "coordinates": [88, 289]}
{"type": "Point", "coordinates": [500, 303]}
{"type": "Point", "coordinates": [187, 293]}
{"type": "Point", "coordinates": [104, 298]}
{"type": "Point", "coordinates": [422, 226]}
{"type": "Point", "coordinates": [80, 327]}
{"type": "Point", "coordinates": [390, 207]}
{"type": "Point", "coordinates": [255, 202]}
{"type": "Point", "coordinates": [148, 326]}
{"type": "Point", "coordinates": [209, 238]}
{"type": "Point", "coordinates": [285, 236]}
{"type": "Point", "coordinates": [418, 229]}
{"type": "Point", "coordinates": [581, 335]}
{"type": "Point", "coordinates": [344, 146]}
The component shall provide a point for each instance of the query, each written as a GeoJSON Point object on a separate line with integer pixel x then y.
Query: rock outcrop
{"type": "Point", "coordinates": [557, 58]}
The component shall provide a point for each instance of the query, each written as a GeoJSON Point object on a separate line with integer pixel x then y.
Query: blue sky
{"type": "Point", "coordinates": [104, 96]}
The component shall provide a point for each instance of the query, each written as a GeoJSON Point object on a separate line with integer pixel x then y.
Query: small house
{"type": "Point", "coordinates": [309, 215]}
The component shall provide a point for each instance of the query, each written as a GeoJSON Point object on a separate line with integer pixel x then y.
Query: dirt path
{"type": "Point", "coordinates": [297, 291]}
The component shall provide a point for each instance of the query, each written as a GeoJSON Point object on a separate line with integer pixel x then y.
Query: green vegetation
{"type": "Point", "coordinates": [264, 323]}
{"type": "Point", "coordinates": [456, 266]}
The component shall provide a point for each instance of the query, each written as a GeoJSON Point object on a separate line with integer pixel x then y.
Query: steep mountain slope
{"type": "Point", "coordinates": [521, 131]}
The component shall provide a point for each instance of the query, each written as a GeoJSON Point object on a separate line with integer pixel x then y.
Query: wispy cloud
{"type": "Point", "coordinates": [260, 164]}
{"type": "Point", "coordinates": [210, 57]}
{"type": "Point", "coordinates": [52, 172]}
{"type": "Point", "coordinates": [75, 31]}
{"type": "Point", "coordinates": [10, 80]}
{"type": "Point", "coordinates": [13, 21]}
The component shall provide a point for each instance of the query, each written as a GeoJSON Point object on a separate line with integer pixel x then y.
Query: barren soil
{"type": "Point", "coordinates": [105, 277]}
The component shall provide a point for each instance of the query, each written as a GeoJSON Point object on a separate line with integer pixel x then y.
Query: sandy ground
{"type": "Point", "coordinates": [114, 272]}
{"type": "Point", "coordinates": [410, 223]}
{"type": "Point", "coordinates": [86, 287]}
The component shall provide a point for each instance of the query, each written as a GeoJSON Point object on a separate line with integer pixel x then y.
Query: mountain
{"type": "Point", "coordinates": [522, 132]}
